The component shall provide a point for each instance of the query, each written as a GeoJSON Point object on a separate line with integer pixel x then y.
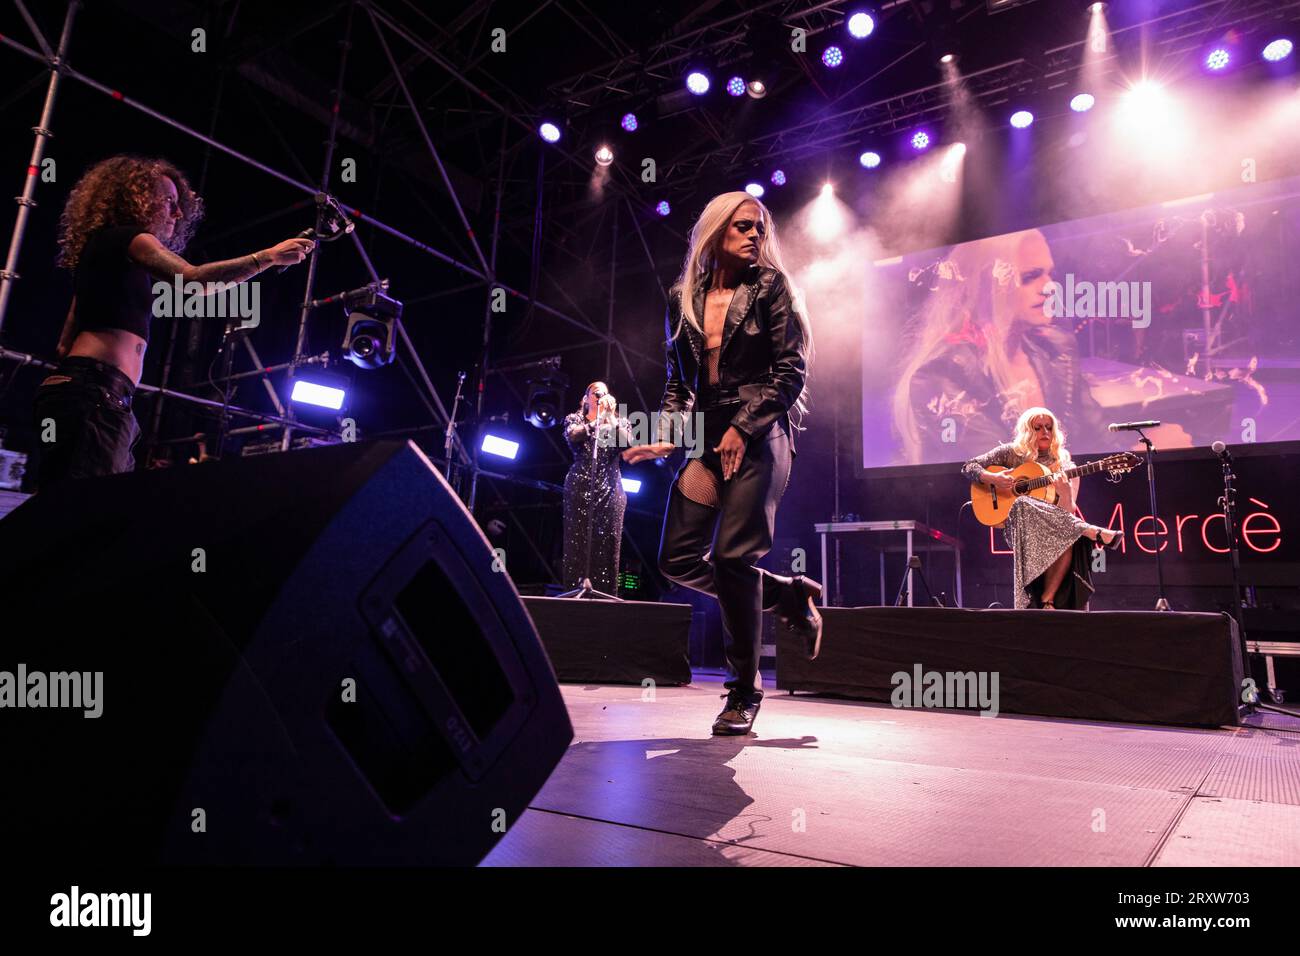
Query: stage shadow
{"type": "Point", "coordinates": [675, 785]}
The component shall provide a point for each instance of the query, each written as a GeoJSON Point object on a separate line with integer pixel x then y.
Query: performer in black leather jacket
{"type": "Point", "coordinates": [737, 361]}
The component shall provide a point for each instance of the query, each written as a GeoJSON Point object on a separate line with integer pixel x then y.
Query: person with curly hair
{"type": "Point", "coordinates": [124, 226]}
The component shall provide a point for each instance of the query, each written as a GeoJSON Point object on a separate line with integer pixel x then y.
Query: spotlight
{"type": "Point", "coordinates": [631, 485]}
{"type": "Point", "coordinates": [629, 122]}
{"type": "Point", "coordinates": [543, 408]}
{"type": "Point", "coordinates": [755, 189]}
{"type": "Point", "coordinates": [948, 58]}
{"type": "Point", "coordinates": [757, 89]}
{"type": "Point", "coordinates": [697, 82]}
{"type": "Point", "coordinates": [861, 25]}
{"type": "Point", "coordinates": [1278, 50]}
{"type": "Point", "coordinates": [663, 208]}
{"type": "Point", "coordinates": [1096, 7]}
{"type": "Point", "coordinates": [869, 160]}
{"type": "Point", "coordinates": [736, 86]}
{"type": "Point", "coordinates": [604, 156]}
{"type": "Point", "coordinates": [920, 140]}
{"type": "Point", "coordinates": [502, 447]}
{"type": "Point", "coordinates": [833, 56]}
{"type": "Point", "coordinates": [549, 132]}
{"type": "Point", "coordinates": [827, 220]}
{"type": "Point", "coordinates": [321, 390]}
{"type": "Point", "coordinates": [955, 152]}
{"type": "Point", "coordinates": [1021, 119]}
{"type": "Point", "coordinates": [370, 339]}
{"type": "Point", "coordinates": [1217, 59]}
{"type": "Point", "coordinates": [1145, 100]}
{"type": "Point", "coordinates": [1082, 102]}
{"type": "Point", "coordinates": [778, 178]}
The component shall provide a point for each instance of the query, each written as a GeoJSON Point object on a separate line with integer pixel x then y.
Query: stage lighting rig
{"type": "Point", "coordinates": [546, 385]}
{"type": "Point", "coordinates": [371, 338]}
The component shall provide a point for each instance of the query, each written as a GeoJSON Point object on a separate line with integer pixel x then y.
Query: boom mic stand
{"type": "Point", "coordinates": [1228, 502]}
{"type": "Point", "coordinates": [1162, 604]}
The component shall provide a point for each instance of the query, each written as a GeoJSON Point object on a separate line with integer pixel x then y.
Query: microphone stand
{"type": "Point", "coordinates": [449, 440]}
{"type": "Point", "coordinates": [1229, 503]}
{"type": "Point", "coordinates": [1162, 604]}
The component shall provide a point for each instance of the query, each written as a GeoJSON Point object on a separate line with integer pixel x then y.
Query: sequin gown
{"type": "Point", "coordinates": [1038, 533]}
{"type": "Point", "coordinates": [594, 500]}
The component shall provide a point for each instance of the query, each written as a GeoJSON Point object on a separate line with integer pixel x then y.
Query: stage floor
{"type": "Point", "coordinates": [830, 782]}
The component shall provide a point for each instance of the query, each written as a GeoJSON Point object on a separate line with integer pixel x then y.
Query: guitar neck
{"type": "Point", "coordinates": [1077, 472]}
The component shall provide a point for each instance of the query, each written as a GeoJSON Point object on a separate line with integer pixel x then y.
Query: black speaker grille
{"type": "Point", "coordinates": [439, 620]}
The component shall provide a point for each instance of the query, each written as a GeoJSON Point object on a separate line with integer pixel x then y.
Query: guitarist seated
{"type": "Point", "coordinates": [1050, 543]}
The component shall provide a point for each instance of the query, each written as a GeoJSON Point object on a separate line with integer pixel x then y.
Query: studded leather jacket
{"type": "Point", "coordinates": [954, 386]}
{"type": "Point", "coordinates": [762, 363]}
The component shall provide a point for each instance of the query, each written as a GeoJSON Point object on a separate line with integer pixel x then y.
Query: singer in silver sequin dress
{"type": "Point", "coordinates": [1051, 545]}
{"type": "Point", "coordinates": [594, 499]}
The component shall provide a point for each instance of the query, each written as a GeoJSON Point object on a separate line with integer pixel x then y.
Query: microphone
{"type": "Point", "coordinates": [1220, 449]}
{"type": "Point", "coordinates": [1129, 426]}
{"type": "Point", "coordinates": [335, 221]}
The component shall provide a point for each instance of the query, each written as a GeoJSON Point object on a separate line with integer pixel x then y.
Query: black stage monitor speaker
{"type": "Point", "coordinates": [304, 658]}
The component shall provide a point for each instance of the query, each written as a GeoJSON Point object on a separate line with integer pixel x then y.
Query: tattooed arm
{"type": "Point", "coordinates": [161, 263]}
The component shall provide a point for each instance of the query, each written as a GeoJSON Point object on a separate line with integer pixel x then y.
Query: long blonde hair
{"type": "Point", "coordinates": [702, 258]}
{"type": "Point", "coordinates": [974, 301]}
{"type": "Point", "coordinates": [1023, 440]}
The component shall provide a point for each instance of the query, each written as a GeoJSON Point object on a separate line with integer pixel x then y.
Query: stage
{"type": "Point", "coordinates": [826, 782]}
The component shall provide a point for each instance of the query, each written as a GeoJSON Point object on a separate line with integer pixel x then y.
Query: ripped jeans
{"type": "Point", "coordinates": [84, 422]}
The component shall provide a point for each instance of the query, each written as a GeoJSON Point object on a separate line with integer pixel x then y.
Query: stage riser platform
{"type": "Point", "coordinates": [614, 642]}
{"type": "Point", "coordinates": [1131, 666]}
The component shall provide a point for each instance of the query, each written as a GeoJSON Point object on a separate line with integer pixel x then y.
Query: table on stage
{"type": "Point", "coordinates": [917, 535]}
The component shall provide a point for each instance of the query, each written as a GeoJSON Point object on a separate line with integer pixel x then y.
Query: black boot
{"type": "Point", "coordinates": [737, 717]}
{"type": "Point", "coordinates": [798, 612]}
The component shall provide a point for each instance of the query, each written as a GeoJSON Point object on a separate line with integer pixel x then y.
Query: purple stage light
{"type": "Point", "coordinates": [1217, 59]}
{"type": "Point", "coordinates": [316, 393]}
{"type": "Point", "coordinates": [869, 160]}
{"type": "Point", "coordinates": [549, 132]}
{"type": "Point", "coordinates": [629, 122]}
{"type": "Point", "coordinates": [833, 56]}
{"type": "Point", "coordinates": [1082, 102]}
{"type": "Point", "coordinates": [755, 189]}
{"type": "Point", "coordinates": [1021, 119]}
{"type": "Point", "coordinates": [1278, 49]}
{"type": "Point", "coordinates": [501, 447]}
{"type": "Point", "coordinates": [663, 208]}
{"type": "Point", "coordinates": [920, 140]}
{"type": "Point", "coordinates": [861, 25]}
{"type": "Point", "coordinates": [778, 178]}
{"type": "Point", "coordinates": [736, 86]}
{"type": "Point", "coordinates": [697, 82]}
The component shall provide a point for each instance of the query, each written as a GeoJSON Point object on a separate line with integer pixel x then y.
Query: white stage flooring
{"type": "Point", "coordinates": [826, 782]}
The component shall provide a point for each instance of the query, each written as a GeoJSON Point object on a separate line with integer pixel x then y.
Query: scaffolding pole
{"type": "Point", "coordinates": [9, 274]}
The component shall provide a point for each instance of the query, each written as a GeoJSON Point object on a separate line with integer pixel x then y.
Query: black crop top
{"type": "Point", "coordinates": [112, 291]}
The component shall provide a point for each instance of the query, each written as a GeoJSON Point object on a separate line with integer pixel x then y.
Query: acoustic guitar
{"type": "Point", "coordinates": [992, 505]}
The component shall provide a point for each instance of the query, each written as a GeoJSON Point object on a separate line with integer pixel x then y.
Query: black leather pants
{"type": "Point", "coordinates": [714, 550]}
